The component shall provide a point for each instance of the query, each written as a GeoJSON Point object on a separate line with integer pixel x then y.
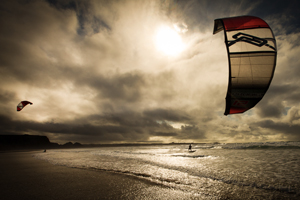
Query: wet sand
{"type": "Point", "coordinates": [25, 177]}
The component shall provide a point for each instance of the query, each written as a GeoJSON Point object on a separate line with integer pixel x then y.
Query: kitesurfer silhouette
{"type": "Point", "coordinates": [190, 147]}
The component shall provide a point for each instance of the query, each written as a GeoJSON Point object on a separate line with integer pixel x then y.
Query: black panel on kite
{"type": "Point", "coordinates": [22, 104]}
{"type": "Point", "coordinates": [252, 53]}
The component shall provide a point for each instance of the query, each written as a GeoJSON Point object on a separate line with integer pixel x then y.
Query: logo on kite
{"type": "Point", "coordinates": [250, 39]}
{"type": "Point", "coordinates": [22, 104]}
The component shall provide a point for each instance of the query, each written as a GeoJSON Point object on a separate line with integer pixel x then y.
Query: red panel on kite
{"type": "Point", "coordinates": [246, 22]}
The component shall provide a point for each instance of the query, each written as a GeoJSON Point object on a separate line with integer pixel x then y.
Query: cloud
{"type": "Point", "coordinates": [168, 114]}
{"type": "Point", "coordinates": [94, 74]}
{"type": "Point", "coordinates": [105, 128]}
{"type": "Point", "coordinates": [292, 131]}
{"type": "Point", "coordinates": [284, 90]}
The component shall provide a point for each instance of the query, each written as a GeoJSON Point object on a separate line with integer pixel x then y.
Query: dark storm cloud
{"type": "Point", "coordinates": [87, 131]}
{"type": "Point", "coordinates": [165, 134]}
{"type": "Point", "coordinates": [126, 119]}
{"type": "Point", "coordinates": [168, 114]}
{"type": "Point", "coordinates": [192, 132]}
{"type": "Point", "coordinates": [121, 86]}
{"type": "Point", "coordinates": [270, 110]}
{"type": "Point", "coordinates": [195, 11]}
{"type": "Point", "coordinates": [274, 107]}
{"type": "Point", "coordinates": [286, 92]}
{"type": "Point", "coordinates": [293, 131]}
{"type": "Point", "coordinates": [287, 11]}
{"type": "Point", "coordinates": [7, 96]}
{"type": "Point", "coordinates": [89, 21]}
{"type": "Point", "coordinates": [28, 27]}
{"type": "Point", "coordinates": [130, 86]}
{"type": "Point", "coordinates": [63, 4]}
{"type": "Point", "coordinates": [294, 115]}
{"type": "Point", "coordinates": [109, 127]}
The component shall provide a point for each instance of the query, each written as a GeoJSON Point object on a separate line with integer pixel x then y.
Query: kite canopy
{"type": "Point", "coordinates": [22, 104]}
{"type": "Point", "coordinates": [252, 53]}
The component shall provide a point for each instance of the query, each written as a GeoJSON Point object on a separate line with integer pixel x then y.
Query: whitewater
{"type": "Point", "coordinates": [214, 171]}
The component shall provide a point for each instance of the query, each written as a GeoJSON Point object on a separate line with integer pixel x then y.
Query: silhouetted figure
{"type": "Point", "coordinates": [45, 151]}
{"type": "Point", "coordinates": [190, 147]}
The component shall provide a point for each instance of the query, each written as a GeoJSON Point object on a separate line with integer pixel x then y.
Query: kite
{"type": "Point", "coordinates": [252, 52]}
{"type": "Point", "coordinates": [22, 104]}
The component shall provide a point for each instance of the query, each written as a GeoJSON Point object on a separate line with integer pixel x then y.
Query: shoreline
{"type": "Point", "coordinates": [25, 177]}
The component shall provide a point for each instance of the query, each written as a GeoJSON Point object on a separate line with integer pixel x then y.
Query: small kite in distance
{"type": "Point", "coordinates": [22, 104]}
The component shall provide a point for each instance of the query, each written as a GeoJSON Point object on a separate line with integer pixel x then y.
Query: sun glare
{"type": "Point", "coordinates": [169, 41]}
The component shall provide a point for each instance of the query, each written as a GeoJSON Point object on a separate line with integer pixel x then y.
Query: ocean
{"type": "Point", "coordinates": [213, 171]}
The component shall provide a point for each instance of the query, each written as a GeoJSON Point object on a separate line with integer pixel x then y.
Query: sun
{"type": "Point", "coordinates": [169, 41]}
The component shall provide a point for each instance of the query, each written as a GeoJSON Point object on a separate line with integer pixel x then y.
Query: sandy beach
{"type": "Point", "coordinates": [25, 177]}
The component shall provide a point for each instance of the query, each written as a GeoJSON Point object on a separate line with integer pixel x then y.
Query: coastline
{"type": "Point", "coordinates": [25, 177]}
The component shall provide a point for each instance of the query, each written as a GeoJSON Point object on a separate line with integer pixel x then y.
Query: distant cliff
{"type": "Point", "coordinates": [18, 142]}
{"type": "Point", "coordinates": [25, 142]}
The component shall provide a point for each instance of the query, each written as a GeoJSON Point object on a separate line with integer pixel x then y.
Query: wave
{"type": "Point", "coordinates": [190, 156]}
{"type": "Point", "coordinates": [161, 166]}
{"type": "Point", "coordinates": [189, 186]}
{"type": "Point", "coordinates": [262, 147]}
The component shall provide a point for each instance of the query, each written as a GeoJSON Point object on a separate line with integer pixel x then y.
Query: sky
{"type": "Point", "coordinates": [130, 71]}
